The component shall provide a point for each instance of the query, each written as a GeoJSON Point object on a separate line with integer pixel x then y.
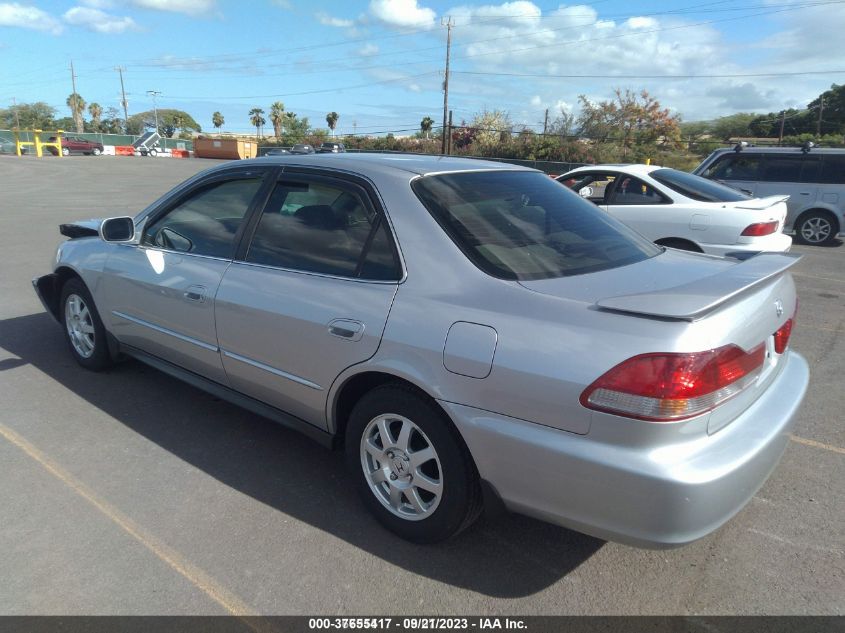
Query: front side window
{"type": "Point", "coordinates": [522, 225]}
{"type": "Point", "coordinates": [206, 223]}
{"type": "Point", "coordinates": [735, 167]}
{"type": "Point", "coordinates": [632, 191]}
{"type": "Point", "coordinates": [327, 229]}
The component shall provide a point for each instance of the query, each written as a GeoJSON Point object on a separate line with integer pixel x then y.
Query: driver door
{"type": "Point", "coordinates": [160, 291]}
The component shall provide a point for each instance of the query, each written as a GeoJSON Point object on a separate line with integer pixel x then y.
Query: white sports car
{"type": "Point", "coordinates": [676, 209]}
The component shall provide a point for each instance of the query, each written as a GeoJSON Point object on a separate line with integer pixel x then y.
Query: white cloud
{"type": "Point", "coordinates": [404, 13]}
{"type": "Point", "coordinates": [14, 14]}
{"type": "Point", "coordinates": [99, 21]}
{"type": "Point", "coordinates": [189, 7]}
{"type": "Point", "coordinates": [329, 20]}
{"type": "Point", "coordinates": [368, 50]}
{"type": "Point", "coordinates": [536, 101]}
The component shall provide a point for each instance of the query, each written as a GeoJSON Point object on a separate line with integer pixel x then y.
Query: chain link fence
{"type": "Point", "coordinates": [105, 139]}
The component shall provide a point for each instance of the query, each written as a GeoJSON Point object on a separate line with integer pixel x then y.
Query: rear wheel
{"type": "Point", "coordinates": [410, 466]}
{"type": "Point", "coordinates": [84, 331]}
{"type": "Point", "coordinates": [815, 228]}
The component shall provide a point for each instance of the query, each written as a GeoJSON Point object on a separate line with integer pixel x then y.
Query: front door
{"type": "Point", "coordinates": [308, 296]}
{"type": "Point", "coordinates": [160, 291]}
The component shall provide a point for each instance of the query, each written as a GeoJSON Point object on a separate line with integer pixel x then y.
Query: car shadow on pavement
{"type": "Point", "coordinates": [507, 556]}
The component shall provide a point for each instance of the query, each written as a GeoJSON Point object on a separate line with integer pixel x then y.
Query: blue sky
{"type": "Point", "coordinates": [379, 63]}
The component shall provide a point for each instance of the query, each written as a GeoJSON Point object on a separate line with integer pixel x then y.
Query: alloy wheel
{"type": "Point", "coordinates": [816, 230]}
{"type": "Point", "coordinates": [80, 326]}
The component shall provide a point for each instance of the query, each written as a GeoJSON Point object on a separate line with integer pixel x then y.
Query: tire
{"type": "Point", "coordinates": [65, 151]}
{"type": "Point", "coordinates": [816, 228]}
{"type": "Point", "coordinates": [684, 245]}
{"type": "Point", "coordinates": [83, 328]}
{"type": "Point", "coordinates": [421, 483]}
{"type": "Point", "coordinates": [153, 152]}
{"type": "Point", "coordinates": [96, 151]}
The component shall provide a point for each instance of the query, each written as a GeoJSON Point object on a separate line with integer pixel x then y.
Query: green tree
{"type": "Point", "coordinates": [96, 112]}
{"type": "Point", "coordinates": [169, 121]}
{"type": "Point", "coordinates": [331, 120]}
{"type": "Point", "coordinates": [277, 118]}
{"type": "Point", "coordinates": [77, 107]}
{"type": "Point", "coordinates": [217, 120]}
{"type": "Point", "coordinates": [727, 127]}
{"type": "Point", "coordinates": [833, 112]}
{"type": "Point", "coordinates": [29, 116]}
{"type": "Point", "coordinates": [425, 126]}
{"type": "Point", "coordinates": [256, 118]}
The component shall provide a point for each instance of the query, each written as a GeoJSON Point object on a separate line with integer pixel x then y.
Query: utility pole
{"type": "Point", "coordinates": [449, 142]}
{"type": "Point", "coordinates": [74, 97]}
{"type": "Point", "coordinates": [15, 108]}
{"type": "Point", "coordinates": [546, 122]}
{"type": "Point", "coordinates": [821, 110]}
{"type": "Point", "coordinates": [123, 101]}
{"type": "Point", "coordinates": [782, 121]}
{"type": "Point", "coordinates": [154, 94]}
{"type": "Point", "coordinates": [448, 24]}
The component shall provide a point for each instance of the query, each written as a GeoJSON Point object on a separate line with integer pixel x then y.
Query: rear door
{"type": "Point", "coordinates": [309, 293]}
{"type": "Point", "coordinates": [160, 291]}
{"type": "Point", "coordinates": [795, 175]}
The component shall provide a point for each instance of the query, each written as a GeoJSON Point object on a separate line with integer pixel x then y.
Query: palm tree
{"type": "Point", "coordinates": [331, 119]}
{"type": "Point", "coordinates": [257, 120]}
{"type": "Point", "coordinates": [426, 125]}
{"type": "Point", "coordinates": [277, 118]}
{"type": "Point", "coordinates": [217, 120]}
{"type": "Point", "coordinates": [96, 111]}
{"type": "Point", "coordinates": [77, 106]}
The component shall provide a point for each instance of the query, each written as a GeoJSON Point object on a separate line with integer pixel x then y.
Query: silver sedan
{"type": "Point", "coordinates": [470, 333]}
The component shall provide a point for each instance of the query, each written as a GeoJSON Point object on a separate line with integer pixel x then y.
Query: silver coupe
{"type": "Point", "coordinates": [471, 334]}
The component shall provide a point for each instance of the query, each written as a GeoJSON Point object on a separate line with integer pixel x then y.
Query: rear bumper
{"type": "Point", "coordinates": [647, 496]}
{"type": "Point", "coordinates": [777, 243]}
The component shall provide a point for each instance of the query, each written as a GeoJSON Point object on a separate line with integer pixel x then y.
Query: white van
{"type": "Point", "coordinates": [813, 178]}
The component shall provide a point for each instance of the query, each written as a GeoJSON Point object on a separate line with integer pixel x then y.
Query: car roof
{"type": "Point", "coordinates": [779, 150]}
{"type": "Point", "coordinates": [364, 163]}
{"type": "Point", "coordinates": [628, 168]}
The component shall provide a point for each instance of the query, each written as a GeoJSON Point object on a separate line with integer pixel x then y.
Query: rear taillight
{"type": "Point", "coordinates": [760, 228]}
{"type": "Point", "coordinates": [782, 336]}
{"type": "Point", "coordinates": [670, 387]}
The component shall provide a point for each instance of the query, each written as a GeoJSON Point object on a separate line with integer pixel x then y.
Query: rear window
{"type": "Point", "coordinates": [696, 187]}
{"type": "Point", "coordinates": [524, 225]}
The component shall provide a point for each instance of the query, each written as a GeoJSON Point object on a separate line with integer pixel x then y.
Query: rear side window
{"type": "Point", "coordinates": [207, 221]}
{"type": "Point", "coordinates": [832, 170]}
{"type": "Point", "coordinates": [313, 227]}
{"type": "Point", "coordinates": [782, 168]}
{"type": "Point", "coordinates": [523, 225]}
{"type": "Point", "coordinates": [697, 188]}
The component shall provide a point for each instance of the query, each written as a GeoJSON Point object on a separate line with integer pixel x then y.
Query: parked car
{"type": "Point", "coordinates": [813, 178]}
{"type": "Point", "coordinates": [301, 148]}
{"type": "Point", "coordinates": [7, 146]}
{"type": "Point", "coordinates": [276, 151]}
{"type": "Point", "coordinates": [76, 145]}
{"type": "Point", "coordinates": [676, 209]}
{"type": "Point", "coordinates": [332, 148]}
{"type": "Point", "coordinates": [464, 329]}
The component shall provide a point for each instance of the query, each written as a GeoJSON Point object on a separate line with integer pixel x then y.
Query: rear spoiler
{"type": "Point", "coordinates": [693, 300]}
{"type": "Point", "coordinates": [760, 203]}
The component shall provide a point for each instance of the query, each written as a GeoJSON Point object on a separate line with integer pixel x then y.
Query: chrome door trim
{"type": "Point", "coordinates": [273, 370]}
{"type": "Point", "coordinates": [158, 328]}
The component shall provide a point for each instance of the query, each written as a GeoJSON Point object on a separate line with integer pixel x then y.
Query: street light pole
{"type": "Point", "coordinates": [154, 94]}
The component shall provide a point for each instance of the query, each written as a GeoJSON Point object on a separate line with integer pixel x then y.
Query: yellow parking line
{"type": "Point", "coordinates": [193, 574]}
{"type": "Point", "coordinates": [815, 444]}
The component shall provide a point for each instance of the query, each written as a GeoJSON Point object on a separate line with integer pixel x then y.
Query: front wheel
{"type": "Point", "coordinates": [96, 151]}
{"type": "Point", "coordinates": [410, 466]}
{"type": "Point", "coordinates": [65, 151]}
{"type": "Point", "coordinates": [84, 330]}
{"type": "Point", "coordinates": [815, 229]}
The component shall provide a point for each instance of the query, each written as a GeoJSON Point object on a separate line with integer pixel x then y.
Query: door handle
{"type": "Point", "coordinates": [346, 329]}
{"type": "Point", "coordinates": [804, 193]}
{"type": "Point", "coordinates": [195, 293]}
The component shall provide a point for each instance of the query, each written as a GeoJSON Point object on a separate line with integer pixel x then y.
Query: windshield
{"type": "Point", "coordinates": [696, 187]}
{"type": "Point", "coordinates": [524, 225]}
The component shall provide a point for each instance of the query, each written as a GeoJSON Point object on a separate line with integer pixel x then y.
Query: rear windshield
{"type": "Point", "coordinates": [696, 187]}
{"type": "Point", "coordinates": [524, 225]}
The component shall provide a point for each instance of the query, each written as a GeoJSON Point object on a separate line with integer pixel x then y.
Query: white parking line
{"type": "Point", "coordinates": [815, 444]}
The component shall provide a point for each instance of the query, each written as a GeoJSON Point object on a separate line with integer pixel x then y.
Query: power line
{"type": "Point", "coordinates": [627, 76]}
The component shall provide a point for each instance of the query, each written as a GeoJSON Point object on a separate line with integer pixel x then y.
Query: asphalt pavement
{"type": "Point", "coordinates": [128, 492]}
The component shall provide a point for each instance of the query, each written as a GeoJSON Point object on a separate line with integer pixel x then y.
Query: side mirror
{"type": "Point", "coordinates": [118, 229]}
